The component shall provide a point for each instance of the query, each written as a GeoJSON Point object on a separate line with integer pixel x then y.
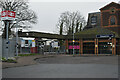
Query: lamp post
{"type": "Point", "coordinates": [16, 41]}
{"type": "Point", "coordinates": [73, 42]}
{"type": "Point", "coordinates": [16, 37]}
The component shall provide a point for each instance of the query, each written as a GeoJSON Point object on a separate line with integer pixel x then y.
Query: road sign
{"type": "Point", "coordinates": [104, 36]}
{"type": "Point", "coordinates": [7, 15]}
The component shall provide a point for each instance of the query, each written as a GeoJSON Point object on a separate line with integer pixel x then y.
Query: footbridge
{"type": "Point", "coordinates": [34, 34]}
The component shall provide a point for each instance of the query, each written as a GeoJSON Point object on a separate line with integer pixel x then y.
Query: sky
{"type": "Point", "coordinates": [48, 11]}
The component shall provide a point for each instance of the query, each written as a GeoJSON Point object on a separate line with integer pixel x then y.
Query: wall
{"type": "Point", "coordinates": [106, 14]}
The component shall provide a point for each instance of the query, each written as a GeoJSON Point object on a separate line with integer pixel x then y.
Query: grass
{"type": "Point", "coordinates": [32, 54]}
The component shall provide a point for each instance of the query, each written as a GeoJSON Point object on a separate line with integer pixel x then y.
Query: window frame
{"type": "Point", "coordinates": [94, 20]}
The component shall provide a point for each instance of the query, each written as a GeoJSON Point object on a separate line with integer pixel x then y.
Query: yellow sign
{"type": "Point", "coordinates": [33, 40]}
{"type": "Point", "coordinates": [33, 43]}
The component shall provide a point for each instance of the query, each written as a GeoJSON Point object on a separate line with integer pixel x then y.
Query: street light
{"type": "Point", "coordinates": [16, 41]}
{"type": "Point", "coordinates": [73, 42]}
{"type": "Point", "coordinates": [16, 37]}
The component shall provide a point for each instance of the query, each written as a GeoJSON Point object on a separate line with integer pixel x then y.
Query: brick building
{"type": "Point", "coordinates": [110, 17]}
{"type": "Point", "coordinates": [101, 35]}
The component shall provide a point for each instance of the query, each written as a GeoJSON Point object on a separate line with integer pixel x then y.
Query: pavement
{"type": "Point", "coordinates": [21, 61]}
{"type": "Point", "coordinates": [25, 61]}
{"type": "Point", "coordinates": [60, 59]}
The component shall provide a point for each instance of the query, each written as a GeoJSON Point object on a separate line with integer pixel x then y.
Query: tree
{"type": "Point", "coordinates": [24, 16]}
{"type": "Point", "coordinates": [61, 28]}
{"type": "Point", "coordinates": [70, 21]}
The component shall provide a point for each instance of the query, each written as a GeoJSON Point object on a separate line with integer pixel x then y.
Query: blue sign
{"type": "Point", "coordinates": [30, 41]}
{"type": "Point", "coordinates": [104, 36]}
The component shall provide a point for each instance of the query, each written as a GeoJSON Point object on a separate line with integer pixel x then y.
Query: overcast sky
{"type": "Point", "coordinates": [49, 12]}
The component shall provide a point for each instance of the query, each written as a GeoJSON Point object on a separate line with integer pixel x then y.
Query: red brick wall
{"type": "Point", "coordinates": [106, 14]}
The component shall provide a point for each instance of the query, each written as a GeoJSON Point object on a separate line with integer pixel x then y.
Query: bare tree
{"type": "Point", "coordinates": [70, 21]}
{"type": "Point", "coordinates": [24, 16]}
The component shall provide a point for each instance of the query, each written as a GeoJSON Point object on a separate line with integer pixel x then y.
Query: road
{"type": "Point", "coordinates": [64, 70]}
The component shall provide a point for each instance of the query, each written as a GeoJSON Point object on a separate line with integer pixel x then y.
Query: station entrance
{"type": "Point", "coordinates": [118, 47]}
{"type": "Point", "coordinates": [105, 48]}
{"type": "Point", "coordinates": [89, 48]}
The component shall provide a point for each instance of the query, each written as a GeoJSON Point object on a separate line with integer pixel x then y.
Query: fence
{"type": "Point", "coordinates": [52, 50]}
{"type": "Point", "coordinates": [46, 49]}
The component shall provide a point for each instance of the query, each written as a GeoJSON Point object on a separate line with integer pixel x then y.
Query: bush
{"type": "Point", "coordinates": [3, 59]}
{"type": "Point", "coordinates": [9, 60]}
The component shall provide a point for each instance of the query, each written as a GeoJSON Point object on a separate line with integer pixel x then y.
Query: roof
{"type": "Point", "coordinates": [91, 33]}
{"type": "Point", "coordinates": [109, 4]}
{"type": "Point", "coordinates": [34, 34]}
{"type": "Point", "coordinates": [94, 13]}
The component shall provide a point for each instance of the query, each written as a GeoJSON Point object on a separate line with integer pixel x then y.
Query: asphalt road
{"type": "Point", "coordinates": [67, 70]}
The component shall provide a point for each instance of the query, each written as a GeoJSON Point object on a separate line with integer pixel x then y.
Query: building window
{"type": "Point", "coordinates": [112, 10]}
{"type": "Point", "coordinates": [112, 20]}
{"type": "Point", "coordinates": [93, 20]}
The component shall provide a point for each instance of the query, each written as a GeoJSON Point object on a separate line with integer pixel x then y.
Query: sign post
{"type": "Point", "coordinates": [7, 16]}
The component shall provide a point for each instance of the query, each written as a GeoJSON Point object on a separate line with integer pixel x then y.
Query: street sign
{"type": "Point", "coordinates": [22, 43]}
{"type": "Point", "coordinates": [55, 44]}
{"type": "Point", "coordinates": [7, 15]}
{"type": "Point", "coordinates": [104, 36]}
{"type": "Point", "coordinates": [33, 43]}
